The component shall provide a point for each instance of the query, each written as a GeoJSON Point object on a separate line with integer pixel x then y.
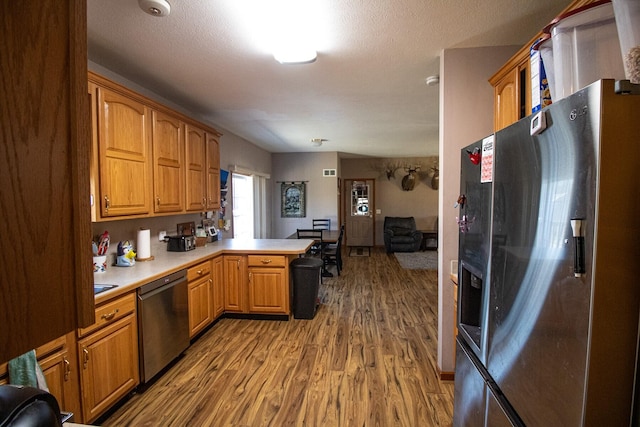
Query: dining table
{"type": "Point", "coordinates": [328, 236]}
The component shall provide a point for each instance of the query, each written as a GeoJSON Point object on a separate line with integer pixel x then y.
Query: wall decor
{"type": "Point", "coordinates": [293, 200]}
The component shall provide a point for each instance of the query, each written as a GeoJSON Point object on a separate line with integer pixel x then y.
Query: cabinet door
{"type": "Point", "coordinates": [200, 305]}
{"type": "Point", "coordinates": [196, 168]}
{"type": "Point", "coordinates": [60, 370]}
{"type": "Point", "coordinates": [506, 100]}
{"type": "Point", "coordinates": [234, 283]}
{"type": "Point", "coordinates": [109, 366]}
{"type": "Point", "coordinates": [217, 275]}
{"type": "Point", "coordinates": [124, 155]}
{"type": "Point", "coordinates": [44, 172]}
{"type": "Point", "coordinates": [268, 290]}
{"type": "Point", "coordinates": [168, 163]}
{"type": "Point", "coordinates": [213, 172]}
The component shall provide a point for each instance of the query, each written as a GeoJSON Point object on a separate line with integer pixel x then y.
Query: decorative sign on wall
{"type": "Point", "coordinates": [293, 200]}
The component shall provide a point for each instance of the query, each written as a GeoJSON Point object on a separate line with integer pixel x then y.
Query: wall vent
{"type": "Point", "coordinates": [328, 172]}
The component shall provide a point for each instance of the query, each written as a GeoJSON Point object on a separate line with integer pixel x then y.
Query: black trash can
{"type": "Point", "coordinates": [305, 273]}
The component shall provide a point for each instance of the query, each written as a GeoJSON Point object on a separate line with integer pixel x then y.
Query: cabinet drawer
{"type": "Point", "coordinates": [197, 271]}
{"type": "Point", "coordinates": [111, 311]}
{"type": "Point", "coordinates": [266, 261]}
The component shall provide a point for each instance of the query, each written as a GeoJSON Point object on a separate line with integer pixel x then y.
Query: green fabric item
{"type": "Point", "coordinates": [23, 370]}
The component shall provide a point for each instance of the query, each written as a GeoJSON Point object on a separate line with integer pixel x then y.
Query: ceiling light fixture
{"type": "Point", "coordinates": [317, 142]}
{"type": "Point", "coordinates": [292, 34]}
{"type": "Point", "coordinates": [432, 80]}
{"type": "Point", "coordinates": [295, 55]}
{"type": "Point", "coordinates": [157, 8]}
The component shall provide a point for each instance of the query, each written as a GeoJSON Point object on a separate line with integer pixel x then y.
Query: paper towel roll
{"type": "Point", "coordinates": [144, 243]}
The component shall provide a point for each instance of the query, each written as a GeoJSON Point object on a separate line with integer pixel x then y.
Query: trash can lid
{"type": "Point", "coordinates": [306, 263]}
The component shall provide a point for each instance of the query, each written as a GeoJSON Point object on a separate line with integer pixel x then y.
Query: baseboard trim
{"type": "Point", "coordinates": [446, 376]}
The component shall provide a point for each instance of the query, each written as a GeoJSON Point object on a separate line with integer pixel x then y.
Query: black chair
{"type": "Point", "coordinates": [333, 253]}
{"type": "Point", "coordinates": [400, 234]}
{"type": "Point", "coordinates": [316, 235]}
{"type": "Point", "coordinates": [321, 224]}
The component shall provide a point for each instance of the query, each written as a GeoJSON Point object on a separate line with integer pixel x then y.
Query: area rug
{"type": "Point", "coordinates": [427, 260]}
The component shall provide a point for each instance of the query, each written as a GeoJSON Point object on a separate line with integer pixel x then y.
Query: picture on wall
{"type": "Point", "coordinates": [293, 200]}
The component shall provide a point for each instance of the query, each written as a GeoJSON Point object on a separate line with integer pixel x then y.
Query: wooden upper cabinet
{"type": "Point", "coordinates": [512, 91]}
{"type": "Point", "coordinates": [213, 171]}
{"type": "Point", "coordinates": [506, 100]}
{"type": "Point", "coordinates": [196, 168]}
{"type": "Point", "coordinates": [168, 163]}
{"type": "Point", "coordinates": [148, 159]}
{"type": "Point", "coordinates": [124, 149]}
{"type": "Point", "coordinates": [45, 139]}
{"type": "Point", "coordinates": [512, 82]}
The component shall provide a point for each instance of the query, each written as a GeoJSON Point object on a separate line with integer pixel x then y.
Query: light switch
{"type": "Point", "coordinates": [378, 211]}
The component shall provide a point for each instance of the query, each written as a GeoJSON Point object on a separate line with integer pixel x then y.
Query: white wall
{"type": "Point", "coordinates": [321, 192]}
{"type": "Point", "coordinates": [466, 115]}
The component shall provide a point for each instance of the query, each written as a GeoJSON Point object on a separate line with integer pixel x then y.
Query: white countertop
{"type": "Point", "coordinates": [164, 262]}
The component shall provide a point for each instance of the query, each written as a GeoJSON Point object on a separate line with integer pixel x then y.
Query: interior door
{"type": "Point", "coordinates": [360, 208]}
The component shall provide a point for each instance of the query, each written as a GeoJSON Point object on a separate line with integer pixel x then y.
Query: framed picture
{"type": "Point", "coordinates": [293, 200]}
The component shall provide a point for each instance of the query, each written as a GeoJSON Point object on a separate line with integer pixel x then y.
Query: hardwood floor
{"type": "Point", "coordinates": [368, 358]}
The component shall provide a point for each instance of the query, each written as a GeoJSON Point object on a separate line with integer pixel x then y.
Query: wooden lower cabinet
{"type": "Point", "coordinates": [200, 297]}
{"type": "Point", "coordinates": [235, 273]}
{"type": "Point", "coordinates": [268, 285]}
{"type": "Point", "coordinates": [108, 356]}
{"type": "Point", "coordinates": [217, 275]}
{"type": "Point", "coordinates": [59, 364]}
{"type": "Point", "coordinates": [256, 284]}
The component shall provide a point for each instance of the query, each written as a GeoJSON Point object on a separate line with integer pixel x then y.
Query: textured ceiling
{"type": "Point", "coordinates": [365, 94]}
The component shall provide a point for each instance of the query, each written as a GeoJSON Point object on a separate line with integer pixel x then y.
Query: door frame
{"type": "Point", "coordinates": [345, 202]}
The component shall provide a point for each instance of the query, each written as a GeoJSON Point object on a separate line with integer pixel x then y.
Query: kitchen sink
{"type": "Point", "coordinates": [97, 288]}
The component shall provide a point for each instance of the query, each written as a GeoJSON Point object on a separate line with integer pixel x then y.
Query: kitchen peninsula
{"type": "Point", "coordinates": [164, 263]}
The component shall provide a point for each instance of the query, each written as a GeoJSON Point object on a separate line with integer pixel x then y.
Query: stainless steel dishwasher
{"type": "Point", "coordinates": [163, 322]}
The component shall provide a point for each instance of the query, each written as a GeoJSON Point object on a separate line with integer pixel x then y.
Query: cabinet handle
{"type": "Point", "coordinates": [250, 276]}
{"type": "Point", "coordinates": [109, 316]}
{"type": "Point", "coordinates": [199, 272]}
{"type": "Point", "coordinates": [107, 203]}
{"type": "Point", "coordinates": [67, 368]}
{"type": "Point", "coordinates": [238, 261]}
{"type": "Point", "coordinates": [158, 201]}
{"type": "Point", "coordinates": [265, 261]}
{"type": "Point", "coordinates": [204, 201]}
{"type": "Point", "coordinates": [85, 357]}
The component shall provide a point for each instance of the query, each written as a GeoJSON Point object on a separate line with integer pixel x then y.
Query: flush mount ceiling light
{"type": "Point", "coordinates": [157, 8]}
{"type": "Point", "coordinates": [295, 55]}
{"type": "Point", "coordinates": [292, 34]}
{"type": "Point", "coordinates": [317, 142]}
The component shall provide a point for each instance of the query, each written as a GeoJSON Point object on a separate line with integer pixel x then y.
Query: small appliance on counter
{"type": "Point", "coordinates": [210, 230]}
{"type": "Point", "coordinates": [185, 240]}
{"type": "Point", "coordinates": [180, 243]}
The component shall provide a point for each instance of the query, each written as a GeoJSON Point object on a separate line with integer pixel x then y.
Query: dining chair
{"type": "Point", "coordinates": [321, 223]}
{"type": "Point", "coordinates": [333, 253]}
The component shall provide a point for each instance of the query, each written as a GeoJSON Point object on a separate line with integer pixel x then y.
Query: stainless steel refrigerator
{"type": "Point", "coordinates": [548, 292]}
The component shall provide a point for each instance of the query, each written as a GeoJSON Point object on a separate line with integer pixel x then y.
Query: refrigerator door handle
{"type": "Point", "coordinates": [578, 241]}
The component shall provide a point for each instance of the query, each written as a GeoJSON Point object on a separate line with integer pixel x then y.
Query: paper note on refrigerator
{"type": "Point", "coordinates": [486, 173]}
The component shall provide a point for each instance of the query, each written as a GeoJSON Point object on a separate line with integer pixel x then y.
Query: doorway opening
{"type": "Point", "coordinates": [242, 193]}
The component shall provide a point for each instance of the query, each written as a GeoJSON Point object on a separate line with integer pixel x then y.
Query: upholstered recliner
{"type": "Point", "coordinates": [400, 234]}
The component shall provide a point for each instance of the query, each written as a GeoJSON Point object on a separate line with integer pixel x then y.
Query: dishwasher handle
{"type": "Point", "coordinates": [156, 291]}
{"type": "Point", "coordinates": [163, 283]}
